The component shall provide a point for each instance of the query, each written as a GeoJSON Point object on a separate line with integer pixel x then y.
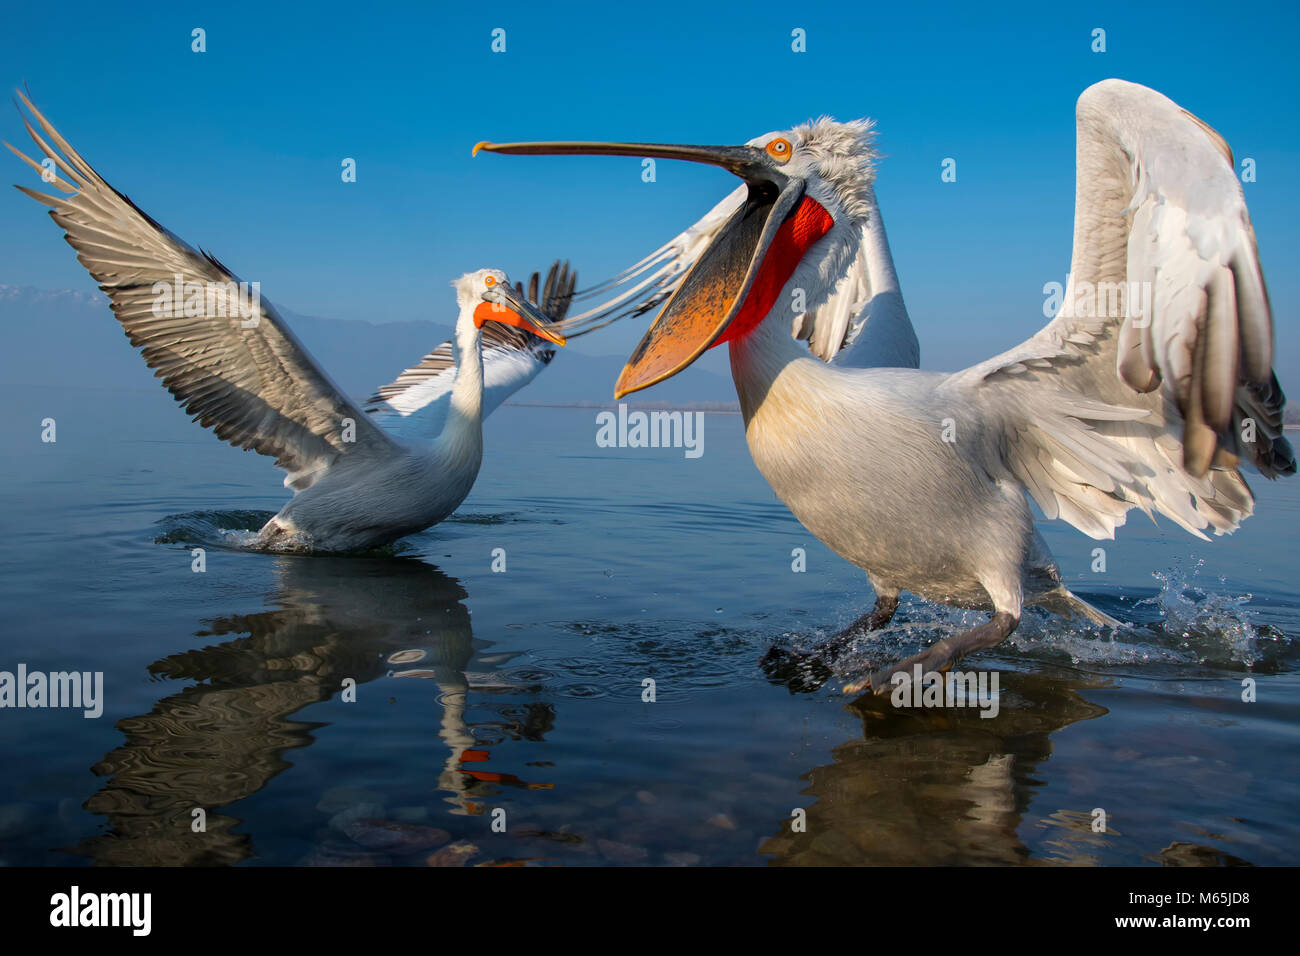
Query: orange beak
{"type": "Point", "coordinates": [503, 304]}
{"type": "Point", "coordinates": [737, 280]}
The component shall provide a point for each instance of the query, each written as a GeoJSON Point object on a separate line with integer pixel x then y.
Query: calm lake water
{"type": "Point", "coordinates": [522, 691]}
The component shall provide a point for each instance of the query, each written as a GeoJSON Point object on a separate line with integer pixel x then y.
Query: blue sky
{"type": "Point", "coordinates": [238, 149]}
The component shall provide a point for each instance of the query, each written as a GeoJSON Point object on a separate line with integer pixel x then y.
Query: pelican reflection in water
{"type": "Point", "coordinates": [949, 787]}
{"type": "Point", "coordinates": [224, 737]}
{"type": "Point", "coordinates": [878, 801]}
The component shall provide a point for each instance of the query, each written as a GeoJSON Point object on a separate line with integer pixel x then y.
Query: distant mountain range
{"type": "Point", "coordinates": [70, 338]}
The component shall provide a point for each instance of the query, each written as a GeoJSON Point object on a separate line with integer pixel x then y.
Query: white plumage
{"type": "Point", "coordinates": [234, 364]}
{"type": "Point", "coordinates": [416, 403]}
{"type": "Point", "coordinates": [921, 478]}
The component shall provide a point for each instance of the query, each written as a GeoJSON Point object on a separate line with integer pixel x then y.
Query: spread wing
{"type": "Point", "coordinates": [222, 351]}
{"type": "Point", "coordinates": [1155, 379]}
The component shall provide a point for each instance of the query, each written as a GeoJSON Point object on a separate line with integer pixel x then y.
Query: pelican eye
{"type": "Point", "coordinates": [489, 281]}
{"type": "Point", "coordinates": [779, 149]}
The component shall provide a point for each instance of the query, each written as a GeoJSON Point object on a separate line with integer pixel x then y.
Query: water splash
{"type": "Point", "coordinates": [218, 529]}
{"type": "Point", "coordinates": [1187, 623]}
{"type": "Point", "coordinates": [1206, 620]}
{"type": "Point", "coordinates": [238, 531]}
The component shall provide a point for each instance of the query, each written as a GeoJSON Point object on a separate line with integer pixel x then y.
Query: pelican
{"type": "Point", "coordinates": [921, 478]}
{"type": "Point", "coordinates": [232, 361]}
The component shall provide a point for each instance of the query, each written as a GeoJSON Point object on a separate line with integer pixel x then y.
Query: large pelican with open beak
{"type": "Point", "coordinates": [233, 363]}
{"type": "Point", "coordinates": [923, 478]}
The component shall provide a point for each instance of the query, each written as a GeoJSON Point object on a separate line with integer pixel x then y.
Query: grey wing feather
{"type": "Point", "coordinates": [235, 366]}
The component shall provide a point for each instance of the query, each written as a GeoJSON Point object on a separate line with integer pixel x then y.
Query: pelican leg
{"type": "Point", "coordinates": [943, 655]}
{"type": "Point", "coordinates": [807, 672]}
{"type": "Point", "coordinates": [873, 620]}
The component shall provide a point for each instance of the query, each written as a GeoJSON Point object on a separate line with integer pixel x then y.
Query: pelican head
{"type": "Point", "coordinates": [488, 296]}
{"type": "Point", "coordinates": [810, 193]}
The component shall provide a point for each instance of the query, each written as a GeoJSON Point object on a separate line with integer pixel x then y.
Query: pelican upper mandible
{"type": "Point", "coordinates": [1147, 390]}
{"type": "Point", "coordinates": [233, 363]}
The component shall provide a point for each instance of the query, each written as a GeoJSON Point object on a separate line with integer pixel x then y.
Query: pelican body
{"type": "Point", "coordinates": [359, 481]}
{"type": "Point", "coordinates": [923, 479]}
{"type": "Point", "coordinates": [366, 501]}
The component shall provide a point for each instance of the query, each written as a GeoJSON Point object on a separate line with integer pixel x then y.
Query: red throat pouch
{"type": "Point", "coordinates": [808, 223]}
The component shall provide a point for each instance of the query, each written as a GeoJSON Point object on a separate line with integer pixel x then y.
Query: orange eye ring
{"type": "Point", "coordinates": [779, 149]}
{"type": "Point", "coordinates": [489, 281]}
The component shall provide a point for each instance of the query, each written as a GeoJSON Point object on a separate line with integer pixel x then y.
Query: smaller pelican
{"type": "Point", "coordinates": [230, 360]}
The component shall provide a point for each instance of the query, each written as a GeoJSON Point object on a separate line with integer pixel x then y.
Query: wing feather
{"type": "Point", "coordinates": [227, 357]}
{"type": "Point", "coordinates": [1165, 321]}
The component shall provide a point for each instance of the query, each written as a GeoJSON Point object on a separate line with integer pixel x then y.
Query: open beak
{"type": "Point", "coordinates": [752, 251]}
{"type": "Point", "coordinates": [503, 304]}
